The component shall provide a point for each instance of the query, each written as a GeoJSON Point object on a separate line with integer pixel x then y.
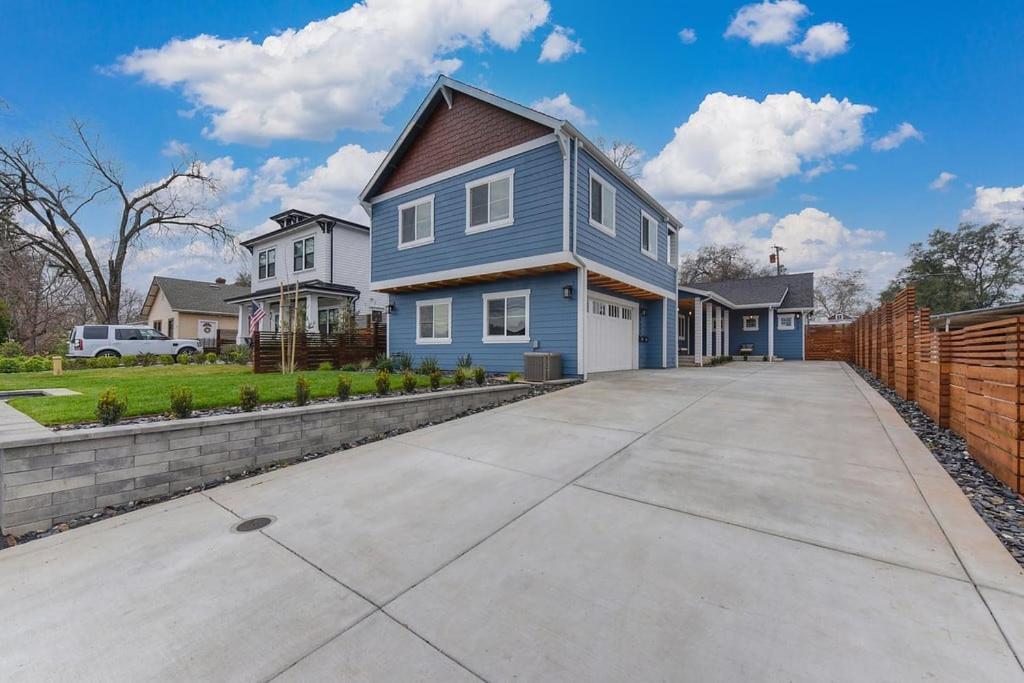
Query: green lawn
{"type": "Point", "coordinates": [147, 389]}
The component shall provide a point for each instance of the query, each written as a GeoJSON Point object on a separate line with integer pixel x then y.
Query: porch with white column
{"type": "Point", "coordinates": [725, 346]}
{"type": "Point", "coordinates": [771, 334]}
{"type": "Point", "coordinates": [698, 351]}
{"type": "Point", "coordinates": [720, 331]}
{"type": "Point", "coordinates": [709, 329]}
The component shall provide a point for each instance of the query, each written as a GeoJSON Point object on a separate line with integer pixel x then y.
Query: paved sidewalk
{"type": "Point", "coordinates": [15, 424]}
{"type": "Point", "coordinates": [750, 521]}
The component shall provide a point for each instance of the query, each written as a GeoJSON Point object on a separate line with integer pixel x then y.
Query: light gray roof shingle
{"type": "Point", "coordinates": [192, 295]}
{"type": "Point", "coordinates": [763, 290]}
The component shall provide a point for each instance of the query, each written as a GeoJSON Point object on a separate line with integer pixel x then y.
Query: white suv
{"type": "Point", "coordinates": [87, 341]}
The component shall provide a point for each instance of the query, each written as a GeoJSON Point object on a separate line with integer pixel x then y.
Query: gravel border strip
{"type": "Point", "coordinates": [997, 504]}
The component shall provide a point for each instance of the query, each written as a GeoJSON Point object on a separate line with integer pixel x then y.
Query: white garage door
{"type": "Point", "coordinates": [611, 335]}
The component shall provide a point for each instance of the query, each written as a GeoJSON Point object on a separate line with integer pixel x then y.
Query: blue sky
{"type": "Point", "coordinates": [760, 155]}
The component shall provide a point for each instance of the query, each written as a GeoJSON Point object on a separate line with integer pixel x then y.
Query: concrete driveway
{"type": "Point", "coordinates": [751, 521]}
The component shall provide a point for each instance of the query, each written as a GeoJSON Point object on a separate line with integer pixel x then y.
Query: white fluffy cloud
{"type": "Point", "coordinates": [345, 71]}
{"type": "Point", "coordinates": [772, 22]}
{"type": "Point", "coordinates": [821, 42]}
{"type": "Point", "coordinates": [734, 146]}
{"type": "Point", "coordinates": [333, 187]}
{"type": "Point", "coordinates": [559, 45]}
{"type": "Point", "coordinates": [997, 204]}
{"type": "Point", "coordinates": [944, 179]}
{"type": "Point", "coordinates": [688, 36]}
{"type": "Point", "coordinates": [896, 137]}
{"type": "Point", "coordinates": [561, 107]}
{"type": "Point", "coordinates": [176, 148]}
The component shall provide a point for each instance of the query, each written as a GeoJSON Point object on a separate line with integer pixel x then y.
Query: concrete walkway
{"type": "Point", "coordinates": [750, 521]}
{"type": "Point", "coordinates": [15, 424]}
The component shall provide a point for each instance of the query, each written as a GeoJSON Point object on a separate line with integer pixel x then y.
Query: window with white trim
{"type": "Point", "coordinates": [648, 235]}
{"type": "Point", "coordinates": [751, 323]}
{"type": "Point", "coordinates": [434, 321]}
{"type": "Point", "coordinates": [673, 247]}
{"type": "Point", "coordinates": [787, 321]}
{"type": "Point", "coordinates": [507, 316]}
{"type": "Point", "coordinates": [267, 260]}
{"type": "Point", "coordinates": [416, 222]}
{"type": "Point", "coordinates": [303, 257]}
{"type": "Point", "coordinates": [489, 202]}
{"type": "Point", "coordinates": [602, 204]}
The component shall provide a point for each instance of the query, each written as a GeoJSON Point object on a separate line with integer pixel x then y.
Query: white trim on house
{"type": "Point", "coordinates": [791, 325]}
{"type": "Point", "coordinates": [422, 240]}
{"type": "Point", "coordinates": [605, 185]}
{"type": "Point", "coordinates": [623, 277]}
{"type": "Point", "coordinates": [269, 275]}
{"type": "Point", "coordinates": [566, 145]}
{"type": "Point", "coordinates": [655, 227]}
{"type": "Point", "coordinates": [434, 302]}
{"type": "Point", "coordinates": [506, 339]}
{"type": "Point", "coordinates": [582, 295]}
{"type": "Point", "coordinates": [664, 333]}
{"type": "Point", "coordinates": [492, 224]}
{"type": "Point", "coordinates": [771, 334]}
{"type": "Point", "coordinates": [540, 260]}
{"type": "Point", "coordinates": [302, 241]}
{"type": "Point", "coordinates": [757, 323]}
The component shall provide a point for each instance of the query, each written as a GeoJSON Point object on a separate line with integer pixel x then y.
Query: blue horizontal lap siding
{"type": "Point", "coordinates": [537, 211]}
{"type": "Point", "coordinates": [621, 252]}
{"type": "Point", "coordinates": [737, 337]}
{"type": "Point", "coordinates": [789, 343]}
{"type": "Point", "coordinates": [552, 324]}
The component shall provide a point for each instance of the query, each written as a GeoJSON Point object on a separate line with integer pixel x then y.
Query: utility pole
{"type": "Point", "coordinates": [776, 258]}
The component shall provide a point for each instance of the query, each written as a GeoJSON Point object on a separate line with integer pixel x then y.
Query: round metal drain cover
{"type": "Point", "coordinates": [253, 524]}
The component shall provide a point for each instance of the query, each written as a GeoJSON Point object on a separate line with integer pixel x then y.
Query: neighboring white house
{"type": "Point", "coordinates": [329, 259]}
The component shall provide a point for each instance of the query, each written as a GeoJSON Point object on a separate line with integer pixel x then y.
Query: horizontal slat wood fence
{"type": "Point", "coordinates": [970, 380]}
{"type": "Point", "coordinates": [829, 342]}
{"type": "Point", "coordinates": [312, 349]}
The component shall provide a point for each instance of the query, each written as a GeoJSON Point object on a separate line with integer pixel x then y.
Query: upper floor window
{"type": "Point", "coordinates": [434, 321]}
{"type": "Point", "coordinates": [507, 316]}
{"type": "Point", "coordinates": [302, 255]}
{"type": "Point", "coordinates": [602, 204]}
{"type": "Point", "coordinates": [267, 263]}
{"type": "Point", "coordinates": [751, 323]}
{"type": "Point", "coordinates": [416, 222]}
{"type": "Point", "coordinates": [787, 321]}
{"type": "Point", "coordinates": [489, 202]}
{"type": "Point", "coordinates": [648, 235]}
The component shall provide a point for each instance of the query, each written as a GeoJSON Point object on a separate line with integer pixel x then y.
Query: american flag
{"type": "Point", "coordinates": [256, 314]}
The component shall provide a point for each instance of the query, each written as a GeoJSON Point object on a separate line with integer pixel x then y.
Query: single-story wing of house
{"type": "Point", "coordinates": [191, 309]}
{"type": "Point", "coordinates": [761, 316]}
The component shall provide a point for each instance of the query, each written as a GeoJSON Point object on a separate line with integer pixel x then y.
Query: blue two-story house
{"type": "Point", "coordinates": [498, 230]}
{"type": "Point", "coordinates": [761, 316]}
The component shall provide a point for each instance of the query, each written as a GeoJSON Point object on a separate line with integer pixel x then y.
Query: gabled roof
{"type": "Point", "coordinates": [193, 296]}
{"type": "Point", "coordinates": [782, 291]}
{"type": "Point", "coordinates": [305, 223]}
{"type": "Point", "coordinates": [562, 127]}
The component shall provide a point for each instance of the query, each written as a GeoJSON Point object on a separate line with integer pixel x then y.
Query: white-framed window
{"type": "Point", "coordinates": [787, 321]}
{"type": "Point", "coordinates": [267, 260]}
{"type": "Point", "coordinates": [489, 202]}
{"type": "Point", "coordinates": [648, 235]}
{"type": "Point", "coordinates": [751, 323]}
{"type": "Point", "coordinates": [416, 222]}
{"type": "Point", "coordinates": [673, 247]}
{"type": "Point", "coordinates": [602, 204]}
{"type": "Point", "coordinates": [507, 317]}
{"type": "Point", "coordinates": [303, 257]}
{"type": "Point", "coordinates": [434, 321]}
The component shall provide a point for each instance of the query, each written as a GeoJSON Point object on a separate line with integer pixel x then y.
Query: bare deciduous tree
{"type": "Point", "coordinates": [713, 262]}
{"type": "Point", "coordinates": [623, 154]}
{"type": "Point", "coordinates": [843, 292]}
{"type": "Point", "coordinates": [49, 203]}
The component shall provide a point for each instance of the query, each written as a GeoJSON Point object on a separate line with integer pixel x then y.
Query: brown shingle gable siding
{"type": "Point", "coordinates": [470, 130]}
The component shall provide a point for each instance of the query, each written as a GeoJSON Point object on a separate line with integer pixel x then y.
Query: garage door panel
{"type": "Point", "coordinates": [611, 336]}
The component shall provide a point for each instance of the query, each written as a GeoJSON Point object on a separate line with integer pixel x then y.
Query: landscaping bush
{"type": "Point", "coordinates": [10, 364]}
{"type": "Point", "coordinates": [365, 364]}
{"type": "Point", "coordinates": [184, 358]}
{"type": "Point", "coordinates": [238, 355]}
{"type": "Point", "coordinates": [479, 376]}
{"type": "Point", "coordinates": [11, 349]}
{"type": "Point", "coordinates": [301, 391]}
{"type": "Point", "coordinates": [429, 365]}
{"type": "Point", "coordinates": [181, 402]}
{"type": "Point", "coordinates": [459, 377]}
{"type": "Point", "coordinates": [435, 379]}
{"type": "Point", "coordinates": [210, 357]}
{"type": "Point", "coordinates": [109, 408]}
{"type": "Point", "coordinates": [764, 359]}
{"type": "Point", "coordinates": [36, 364]}
{"type": "Point", "coordinates": [465, 362]}
{"type": "Point", "coordinates": [408, 381]}
{"type": "Point", "coordinates": [746, 357]}
{"type": "Point", "coordinates": [350, 367]}
{"type": "Point", "coordinates": [146, 359]}
{"type": "Point", "coordinates": [74, 364]}
{"type": "Point", "coordinates": [102, 362]}
{"type": "Point", "coordinates": [383, 382]}
{"type": "Point", "coordinates": [513, 377]}
{"type": "Point", "coordinates": [344, 388]}
{"type": "Point", "coordinates": [403, 361]}
{"type": "Point", "coordinates": [166, 359]}
{"type": "Point", "coordinates": [385, 362]}
{"type": "Point", "coordinates": [248, 397]}
{"type": "Point", "coordinates": [326, 366]}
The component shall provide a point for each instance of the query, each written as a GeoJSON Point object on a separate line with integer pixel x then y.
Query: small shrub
{"type": "Point", "coordinates": [344, 388]}
{"type": "Point", "coordinates": [349, 367]}
{"type": "Point", "coordinates": [74, 363]}
{"type": "Point", "coordinates": [145, 359]}
{"type": "Point", "coordinates": [365, 364]}
{"type": "Point", "coordinates": [210, 357]}
{"type": "Point", "coordinates": [385, 362]}
{"type": "Point", "coordinates": [36, 364]}
{"type": "Point", "coordinates": [479, 376]}
{"type": "Point", "coordinates": [128, 361]}
{"type": "Point", "coordinates": [103, 362]}
{"type": "Point", "coordinates": [184, 358]}
{"type": "Point", "coordinates": [746, 357]}
{"type": "Point", "coordinates": [11, 349]}
{"type": "Point", "coordinates": [429, 365]}
{"type": "Point", "coordinates": [764, 359]}
{"type": "Point", "coordinates": [408, 381]}
{"type": "Point", "coordinates": [109, 408]}
{"type": "Point", "coordinates": [165, 359]}
{"type": "Point", "coordinates": [326, 366]}
{"type": "Point", "coordinates": [181, 402]}
{"type": "Point", "coordinates": [238, 355]}
{"type": "Point", "coordinates": [459, 377]}
{"type": "Point", "coordinates": [513, 377]}
{"type": "Point", "coordinates": [10, 365]}
{"type": "Point", "coordinates": [301, 391]}
{"type": "Point", "coordinates": [383, 382]}
{"type": "Point", "coordinates": [465, 362]}
{"type": "Point", "coordinates": [248, 397]}
{"type": "Point", "coordinates": [435, 379]}
{"type": "Point", "coordinates": [403, 361]}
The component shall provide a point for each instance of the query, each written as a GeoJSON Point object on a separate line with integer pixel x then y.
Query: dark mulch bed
{"type": "Point", "coordinates": [8, 541]}
{"type": "Point", "coordinates": [996, 503]}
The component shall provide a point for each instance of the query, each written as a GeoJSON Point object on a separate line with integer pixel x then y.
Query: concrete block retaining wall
{"type": "Point", "coordinates": [56, 477]}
